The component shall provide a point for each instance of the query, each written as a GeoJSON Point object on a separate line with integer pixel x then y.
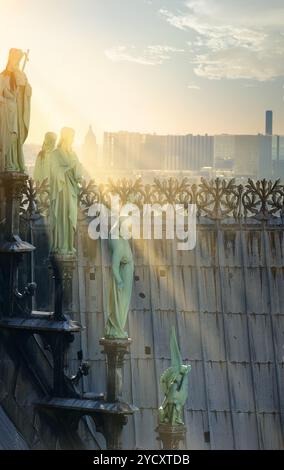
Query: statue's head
{"type": "Point", "coordinates": [49, 141]}
{"type": "Point", "coordinates": [15, 57]}
{"type": "Point", "coordinates": [67, 138]}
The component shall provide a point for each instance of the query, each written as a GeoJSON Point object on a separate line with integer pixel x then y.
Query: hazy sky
{"type": "Point", "coordinates": [165, 66]}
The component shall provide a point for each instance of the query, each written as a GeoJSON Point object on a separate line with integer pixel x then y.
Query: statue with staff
{"type": "Point", "coordinates": [15, 104]}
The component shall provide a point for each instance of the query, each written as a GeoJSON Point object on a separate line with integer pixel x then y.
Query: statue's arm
{"type": "Point", "coordinates": [77, 169]}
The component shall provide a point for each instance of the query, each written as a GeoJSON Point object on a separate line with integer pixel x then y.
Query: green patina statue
{"type": "Point", "coordinates": [122, 268]}
{"type": "Point", "coordinates": [174, 384]}
{"type": "Point", "coordinates": [65, 175]}
{"type": "Point", "coordinates": [15, 103]}
{"type": "Point", "coordinates": [42, 165]}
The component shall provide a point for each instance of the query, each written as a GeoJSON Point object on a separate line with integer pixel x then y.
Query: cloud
{"type": "Point", "coordinates": [250, 85]}
{"type": "Point", "coordinates": [233, 40]}
{"type": "Point", "coordinates": [151, 55]}
{"type": "Point", "coordinates": [193, 86]}
{"type": "Point", "coordinates": [237, 63]}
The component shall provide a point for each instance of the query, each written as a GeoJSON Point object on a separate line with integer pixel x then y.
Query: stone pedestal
{"type": "Point", "coordinates": [63, 267]}
{"type": "Point", "coordinates": [115, 351]}
{"type": "Point", "coordinates": [12, 247]}
{"type": "Point", "coordinates": [171, 436]}
{"type": "Point", "coordinates": [13, 184]}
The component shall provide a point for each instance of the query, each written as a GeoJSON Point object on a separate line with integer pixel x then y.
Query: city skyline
{"type": "Point", "coordinates": [190, 67]}
{"type": "Point", "coordinates": [80, 143]}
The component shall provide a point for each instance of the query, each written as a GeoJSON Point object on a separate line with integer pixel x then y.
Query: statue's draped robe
{"type": "Point", "coordinates": [15, 99]}
{"type": "Point", "coordinates": [65, 173]}
{"type": "Point", "coordinates": [42, 167]}
{"type": "Point", "coordinates": [119, 298]}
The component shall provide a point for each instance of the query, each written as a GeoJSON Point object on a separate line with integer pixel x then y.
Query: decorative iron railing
{"type": "Point", "coordinates": [215, 199]}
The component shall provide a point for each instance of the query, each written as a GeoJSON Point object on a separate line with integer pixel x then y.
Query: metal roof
{"type": "Point", "coordinates": [226, 300]}
{"type": "Point", "coordinates": [10, 438]}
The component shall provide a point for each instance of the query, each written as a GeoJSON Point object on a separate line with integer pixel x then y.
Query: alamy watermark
{"type": "Point", "coordinates": [152, 221]}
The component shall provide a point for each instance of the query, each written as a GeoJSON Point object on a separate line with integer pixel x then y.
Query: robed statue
{"type": "Point", "coordinates": [174, 384]}
{"type": "Point", "coordinates": [65, 175]}
{"type": "Point", "coordinates": [42, 164]}
{"type": "Point", "coordinates": [122, 269]}
{"type": "Point", "coordinates": [15, 103]}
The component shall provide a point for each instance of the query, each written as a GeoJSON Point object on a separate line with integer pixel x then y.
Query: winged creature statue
{"type": "Point", "coordinates": [174, 384]}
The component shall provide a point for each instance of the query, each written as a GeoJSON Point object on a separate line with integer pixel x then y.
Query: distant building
{"type": "Point", "coordinates": [122, 150]}
{"type": "Point", "coordinates": [278, 156]}
{"type": "Point", "coordinates": [269, 123]}
{"type": "Point", "coordinates": [90, 152]}
{"type": "Point", "coordinates": [228, 155]}
{"type": "Point", "coordinates": [188, 152]}
{"type": "Point", "coordinates": [253, 156]}
{"type": "Point", "coordinates": [224, 152]}
{"type": "Point", "coordinates": [129, 150]}
{"type": "Point", "coordinates": [247, 155]}
{"type": "Point", "coordinates": [265, 167]}
{"type": "Point", "coordinates": [152, 152]}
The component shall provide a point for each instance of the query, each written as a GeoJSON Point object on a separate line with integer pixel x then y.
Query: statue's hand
{"type": "Point", "coordinates": [120, 285]}
{"type": "Point", "coordinates": [8, 94]}
{"type": "Point", "coordinates": [21, 78]}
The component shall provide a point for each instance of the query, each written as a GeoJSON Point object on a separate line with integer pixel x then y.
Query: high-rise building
{"type": "Point", "coordinates": [269, 123]}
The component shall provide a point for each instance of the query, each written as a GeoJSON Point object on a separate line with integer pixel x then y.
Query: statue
{"type": "Point", "coordinates": [174, 384]}
{"type": "Point", "coordinates": [42, 165]}
{"type": "Point", "coordinates": [15, 99]}
{"type": "Point", "coordinates": [65, 175]}
{"type": "Point", "coordinates": [122, 267]}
